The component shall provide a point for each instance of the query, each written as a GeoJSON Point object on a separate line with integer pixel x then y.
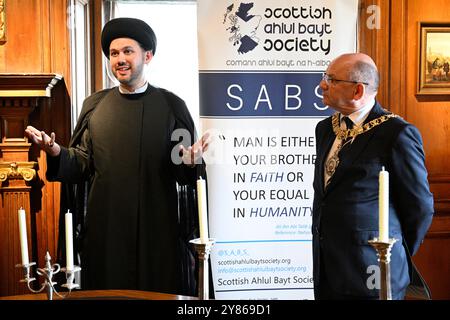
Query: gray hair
{"type": "Point", "coordinates": [365, 72]}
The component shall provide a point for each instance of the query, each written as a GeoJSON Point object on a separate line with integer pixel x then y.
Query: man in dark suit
{"type": "Point", "coordinates": [352, 147]}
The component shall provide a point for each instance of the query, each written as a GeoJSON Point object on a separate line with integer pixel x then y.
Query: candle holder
{"type": "Point", "coordinates": [48, 273]}
{"type": "Point", "coordinates": [203, 250]}
{"type": "Point", "coordinates": [384, 258]}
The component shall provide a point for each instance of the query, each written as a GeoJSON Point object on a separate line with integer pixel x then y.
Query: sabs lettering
{"type": "Point", "coordinates": [292, 98]}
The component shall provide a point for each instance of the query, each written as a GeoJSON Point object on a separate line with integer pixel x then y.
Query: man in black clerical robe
{"type": "Point", "coordinates": [120, 175]}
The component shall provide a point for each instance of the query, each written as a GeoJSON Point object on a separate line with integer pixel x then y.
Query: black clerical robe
{"type": "Point", "coordinates": [132, 234]}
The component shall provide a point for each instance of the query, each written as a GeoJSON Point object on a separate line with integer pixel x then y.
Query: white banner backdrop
{"type": "Point", "coordinates": [260, 64]}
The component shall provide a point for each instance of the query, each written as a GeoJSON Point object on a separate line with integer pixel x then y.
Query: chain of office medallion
{"type": "Point", "coordinates": [344, 134]}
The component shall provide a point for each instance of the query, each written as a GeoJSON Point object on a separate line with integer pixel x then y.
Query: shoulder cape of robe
{"type": "Point", "coordinates": [74, 196]}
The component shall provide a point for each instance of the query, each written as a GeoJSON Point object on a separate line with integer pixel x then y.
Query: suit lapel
{"type": "Point", "coordinates": [327, 142]}
{"type": "Point", "coordinates": [355, 149]}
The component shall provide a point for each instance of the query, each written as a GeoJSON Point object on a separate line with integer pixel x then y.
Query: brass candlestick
{"type": "Point", "coordinates": [384, 259]}
{"type": "Point", "coordinates": [203, 250]}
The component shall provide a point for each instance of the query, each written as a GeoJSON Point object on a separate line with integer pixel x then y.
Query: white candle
{"type": "Point", "coordinates": [23, 236]}
{"type": "Point", "coordinates": [202, 210]}
{"type": "Point", "coordinates": [69, 241]}
{"type": "Point", "coordinates": [383, 222]}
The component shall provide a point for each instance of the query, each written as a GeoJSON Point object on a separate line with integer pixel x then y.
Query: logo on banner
{"type": "Point", "coordinates": [242, 25]}
{"type": "Point", "coordinates": [233, 253]}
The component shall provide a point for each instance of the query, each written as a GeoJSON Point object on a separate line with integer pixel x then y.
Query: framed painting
{"type": "Point", "coordinates": [2, 22]}
{"type": "Point", "coordinates": [434, 58]}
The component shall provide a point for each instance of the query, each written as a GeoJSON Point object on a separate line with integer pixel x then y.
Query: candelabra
{"type": "Point", "coordinates": [48, 273]}
{"type": "Point", "coordinates": [203, 250]}
{"type": "Point", "coordinates": [384, 258]}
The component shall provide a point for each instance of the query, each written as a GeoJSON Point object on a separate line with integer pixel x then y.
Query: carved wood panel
{"type": "Point", "coordinates": [39, 100]}
{"type": "Point", "coordinates": [37, 47]}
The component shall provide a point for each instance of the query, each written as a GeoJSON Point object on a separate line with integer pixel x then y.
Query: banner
{"type": "Point", "coordinates": [260, 65]}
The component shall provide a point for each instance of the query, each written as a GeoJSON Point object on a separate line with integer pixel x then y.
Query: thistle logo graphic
{"type": "Point", "coordinates": [242, 25]}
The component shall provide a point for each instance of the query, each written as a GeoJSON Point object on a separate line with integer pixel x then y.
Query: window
{"type": "Point", "coordinates": [80, 55]}
{"type": "Point", "coordinates": [175, 64]}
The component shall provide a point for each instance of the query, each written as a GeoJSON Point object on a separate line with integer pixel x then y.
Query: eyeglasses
{"type": "Point", "coordinates": [329, 80]}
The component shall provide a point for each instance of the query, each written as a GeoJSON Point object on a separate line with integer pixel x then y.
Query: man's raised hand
{"type": "Point", "coordinates": [193, 154]}
{"type": "Point", "coordinates": [43, 140]}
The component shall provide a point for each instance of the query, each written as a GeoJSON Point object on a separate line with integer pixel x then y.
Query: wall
{"type": "Point", "coordinates": [37, 42]}
{"type": "Point", "coordinates": [395, 48]}
{"type": "Point", "coordinates": [37, 38]}
{"type": "Point", "coordinates": [431, 114]}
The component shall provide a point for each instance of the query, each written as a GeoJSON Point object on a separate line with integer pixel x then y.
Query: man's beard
{"type": "Point", "coordinates": [135, 74]}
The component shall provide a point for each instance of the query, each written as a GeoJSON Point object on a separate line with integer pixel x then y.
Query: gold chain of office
{"type": "Point", "coordinates": [344, 134]}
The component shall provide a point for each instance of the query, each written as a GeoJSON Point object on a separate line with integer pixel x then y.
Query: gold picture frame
{"type": "Point", "coordinates": [2, 22]}
{"type": "Point", "coordinates": [434, 58]}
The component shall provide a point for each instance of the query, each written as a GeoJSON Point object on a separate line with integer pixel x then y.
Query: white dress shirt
{"type": "Point", "coordinates": [138, 90]}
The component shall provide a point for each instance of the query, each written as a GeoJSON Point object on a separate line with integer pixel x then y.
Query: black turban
{"type": "Point", "coordinates": [128, 28]}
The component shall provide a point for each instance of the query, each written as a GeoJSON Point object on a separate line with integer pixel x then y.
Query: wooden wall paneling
{"type": "Point", "coordinates": [394, 48]}
{"type": "Point", "coordinates": [60, 42]}
{"type": "Point", "coordinates": [374, 41]}
{"type": "Point", "coordinates": [431, 114]}
{"type": "Point", "coordinates": [38, 38]}
{"type": "Point", "coordinates": [38, 42]}
{"type": "Point", "coordinates": [97, 53]}
{"type": "Point", "coordinates": [439, 185]}
{"type": "Point", "coordinates": [15, 174]}
{"type": "Point", "coordinates": [2, 26]}
{"type": "Point", "coordinates": [23, 52]}
{"type": "Point", "coordinates": [45, 35]}
{"type": "Point", "coordinates": [433, 259]}
{"type": "Point", "coordinates": [397, 45]}
{"type": "Point", "coordinates": [14, 200]}
{"type": "Point", "coordinates": [23, 99]}
{"type": "Point", "coordinates": [47, 193]}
